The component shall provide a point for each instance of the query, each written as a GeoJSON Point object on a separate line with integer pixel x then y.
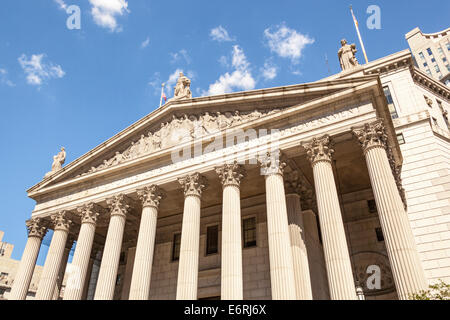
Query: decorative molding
{"type": "Point", "coordinates": [36, 228]}
{"type": "Point", "coordinates": [272, 164]}
{"type": "Point", "coordinates": [372, 135]}
{"type": "Point", "coordinates": [90, 212]}
{"type": "Point", "coordinates": [119, 205]}
{"type": "Point", "coordinates": [151, 196]}
{"type": "Point", "coordinates": [231, 174]}
{"type": "Point", "coordinates": [61, 221]}
{"type": "Point", "coordinates": [319, 149]}
{"type": "Point", "coordinates": [193, 185]}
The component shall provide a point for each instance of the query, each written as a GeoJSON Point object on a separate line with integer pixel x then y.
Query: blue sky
{"type": "Point", "coordinates": [77, 88]}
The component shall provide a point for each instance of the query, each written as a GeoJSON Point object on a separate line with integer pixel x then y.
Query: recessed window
{"type": "Point", "coordinates": [425, 64]}
{"type": "Point", "coordinates": [436, 67]}
{"type": "Point", "coordinates": [433, 60]}
{"type": "Point", "coordinates": [400, 139]}
{"type": "Point", "coordinates": [428, 71]}
{"type": "Point", "coordinates": [212, 240]}
{"type": "Point", "coordinates": [249, 232]}
{"type": "Point", "coordinates": [372, 206]}
{"type": "Point", "coordinates": [441, 52]}
{"type": "Point", "coordinates": [430, 53]}
{"type": "Point", "coordinates": [421, 56]}
{"type": "Point", "coordinates": [118, 279]}
{"type": "Point", "coordinates": [379, 233]}
{"type": "Point", "coordinates": [176, 247]}
{"type": "Point", "coordinates": [390, 102]}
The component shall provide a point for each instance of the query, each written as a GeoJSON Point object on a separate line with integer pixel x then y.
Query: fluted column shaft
{"type": "Point", "coordinates": [81, 258]}
{"type": "Point", "coordinates": [337, 258]}
{"type": "Point", "coordinates": [54, 258]}
{"type": "Point", "coordinates": [405, 263]}
{"type": "Point", "coordinates": [143, 261]}
{"type": "Point", "coordinates": [106, 282]}
{"type": "Point", "coordinates": [280, 253]}
{"type": "Point", "coordinates": [62, 270]}
{"type": "Point", "coordinates": [36, 231]}
{"type": "Point", "coordinates": [299, 252]}
{"type": "Point", "coordinates": [187, 284]}
{"type": "Point", "coordinates": [231, 267]}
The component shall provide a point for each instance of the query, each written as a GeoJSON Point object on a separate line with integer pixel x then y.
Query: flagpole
{"type": "Point", "coordinates": [359, 34]}
{"type": "Point", "coordinates": [162, 91]}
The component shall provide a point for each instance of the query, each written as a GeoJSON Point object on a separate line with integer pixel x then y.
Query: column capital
{"type": "Point", "coordinates": [119, 205]}
{"type": "Point", "coordinates": [89, 213]}
{"type": "Point", "coordinates": [61, 221]}
{"type": "Point", "coordinates": [371, 135]}
{"type": "Point", "coordinates": [272, 163]}
{"type": "Point", "coordinates": [193, 185]}
{"type": "Point", "coordinates": [36, 228]}
{"type": "Point", "coordinates": [231, 174]}
{"type": "Point", "coordinates": [319, 149]}
{"type": "Point", "coordinates": [151, 196]}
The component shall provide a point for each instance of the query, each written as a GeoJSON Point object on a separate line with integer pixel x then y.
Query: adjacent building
{"type": "Point", "coordinates": [431, 53]}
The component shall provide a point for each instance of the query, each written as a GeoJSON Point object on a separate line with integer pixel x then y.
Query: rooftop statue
{"type": "Point", "coordinates": [58, 162]}
{"type": "Point", "coordinates": [347, 56]}
{"type": "Point", "coordinates": [182, 89]}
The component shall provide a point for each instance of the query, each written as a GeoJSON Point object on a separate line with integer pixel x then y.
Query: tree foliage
{"type": "Point", "coordinates": [438, 291]}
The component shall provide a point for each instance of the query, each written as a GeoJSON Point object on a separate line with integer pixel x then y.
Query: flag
{"type": "Point", "coordinates": [354, 18]}
{"type": "Point", "coordinates": [164, 96]}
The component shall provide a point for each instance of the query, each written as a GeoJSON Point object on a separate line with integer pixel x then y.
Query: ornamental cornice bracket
{"type": "Point", "coordinates": [151, 196]}
{"type": "Point", "coordinates": [119, 205]}
{"type": "Point", "coordinates": [193, 185]}
{"type": "Point", "coordinates": [231, 174]}
{"type": "Point", "coordinates": [319, 149]}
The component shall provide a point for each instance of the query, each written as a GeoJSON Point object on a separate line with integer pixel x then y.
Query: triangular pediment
{"type": "Point", "coordinates": [196, 117]}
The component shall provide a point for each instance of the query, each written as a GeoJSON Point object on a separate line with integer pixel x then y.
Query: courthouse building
{"type": "Point", "coordinates": [335, 189]}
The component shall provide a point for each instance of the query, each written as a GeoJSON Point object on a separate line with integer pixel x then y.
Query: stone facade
{"type": "Point", "coordinates": [334, 193]}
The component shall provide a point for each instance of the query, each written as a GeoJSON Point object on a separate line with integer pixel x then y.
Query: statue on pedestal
{"type": "Point", "coordinates": [347, 56]}
{"type": "Point", "coordinates": [58, 162]}
{"type": "Point", "coordinates": [182, 89]}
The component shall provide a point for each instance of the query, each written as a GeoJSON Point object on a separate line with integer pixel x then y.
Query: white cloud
{"type": "Point", "coordinates": [4, 78]}
{"type": "Point", "coordinates": [223, 61]}
{"type": "Point", "coordinates": [37, 71]}
{"type": "Point", "coordinates": [62, 4]}
{"type": "Point", "coordinates": [269, 71]}
{"type": "Point", "coordinates": [105, 12]}
{"type": "Point", "coordinates": [145, 43]}
{"type": "Point", "coordinates": [286, 42]}
{"type": "Point", "coordinates": [240, 78]}
{"type": "Point", "coordinates": [220, 34]}
{"type": "Point", "coordinates": [182, 54]}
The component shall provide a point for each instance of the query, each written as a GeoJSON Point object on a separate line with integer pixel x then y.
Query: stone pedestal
{"type": "Point", "coordinates": [106, 283]}
{"type": "Point", "coordinates": [36, 232]}
{"type": "Point", "coordinates": [405, 263]}
{"type": "Point", "coordinates": [49, 276]}
{"type": "Point", "coordinates": [187, 284]}
{"type": "Point", "coordinates": [231, 268]}
{"type": "Point", "coordinates": [143, 261]}
{"type": "Point", "coordinates": [337, 258]}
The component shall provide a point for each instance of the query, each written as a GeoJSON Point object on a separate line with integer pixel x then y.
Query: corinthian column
{"type": "Point", "coordinates": [231, 176]}
{"type": "Point", "coordinates": [36, 232]}
{"type": "Point", "coordinates": [337, 258]}
{"type": "Point", "coordinates": [143, 261]}
{"type": "Point", "coordinates": [80, 264]}
{"type": "Point", "coordinates": [296, 231]}
{"type": "Point", "coordinates": [63, 267]}
{"type": "Point", "coordinates": [106, 283]}
{"type": "Point", "coordinates": [280, 253]}
{"type": "Point", "coordinates": [406, 267]}
{"type": "Point", "coordinates": [193, 186]}
{"type": "Point", "coordinates": [54, 258]}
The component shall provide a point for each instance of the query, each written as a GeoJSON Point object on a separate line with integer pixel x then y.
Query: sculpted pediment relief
{"type": "Point", "coordinates": [178, 130]}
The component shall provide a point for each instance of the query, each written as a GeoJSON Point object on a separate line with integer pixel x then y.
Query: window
{"type": "Point", "coordinates": [444, 59]}
{"type": "Point", "coordinates": [441, 52]}
{"type": "Point", "coordinates": [425, 64]}
{"type": "Point", "coordinates": [118, 279]}
{"type": "Point", "coordinates": [372, 206]}
{"type": "Point", "coordinates": [436, 67]}
{"type": "Point", "coordinates": [430, 53]}
{"type": "Point", "coordinates": [428, 71]}
{"type": "Point", "coordinates": [390, 102]}
{"type": "Point", "coordinates": [379, 233]}
{"type": "Point", "coordinates": [400, 139]}
{"type": "Point", "coordinates": [249, 233]}
{"type": "Point", "coordinates": [448, 67]}
{"type": "Point", "coordinates": [448, 46]}
{"type": "Point", "coordinates": [421, 56]}
{"type": "Point", "coordinates": [176, 247]}
{"type": "Point", "coordinates": [212, 240]}
{"type": "Point", "coordinates": [433, 60]}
